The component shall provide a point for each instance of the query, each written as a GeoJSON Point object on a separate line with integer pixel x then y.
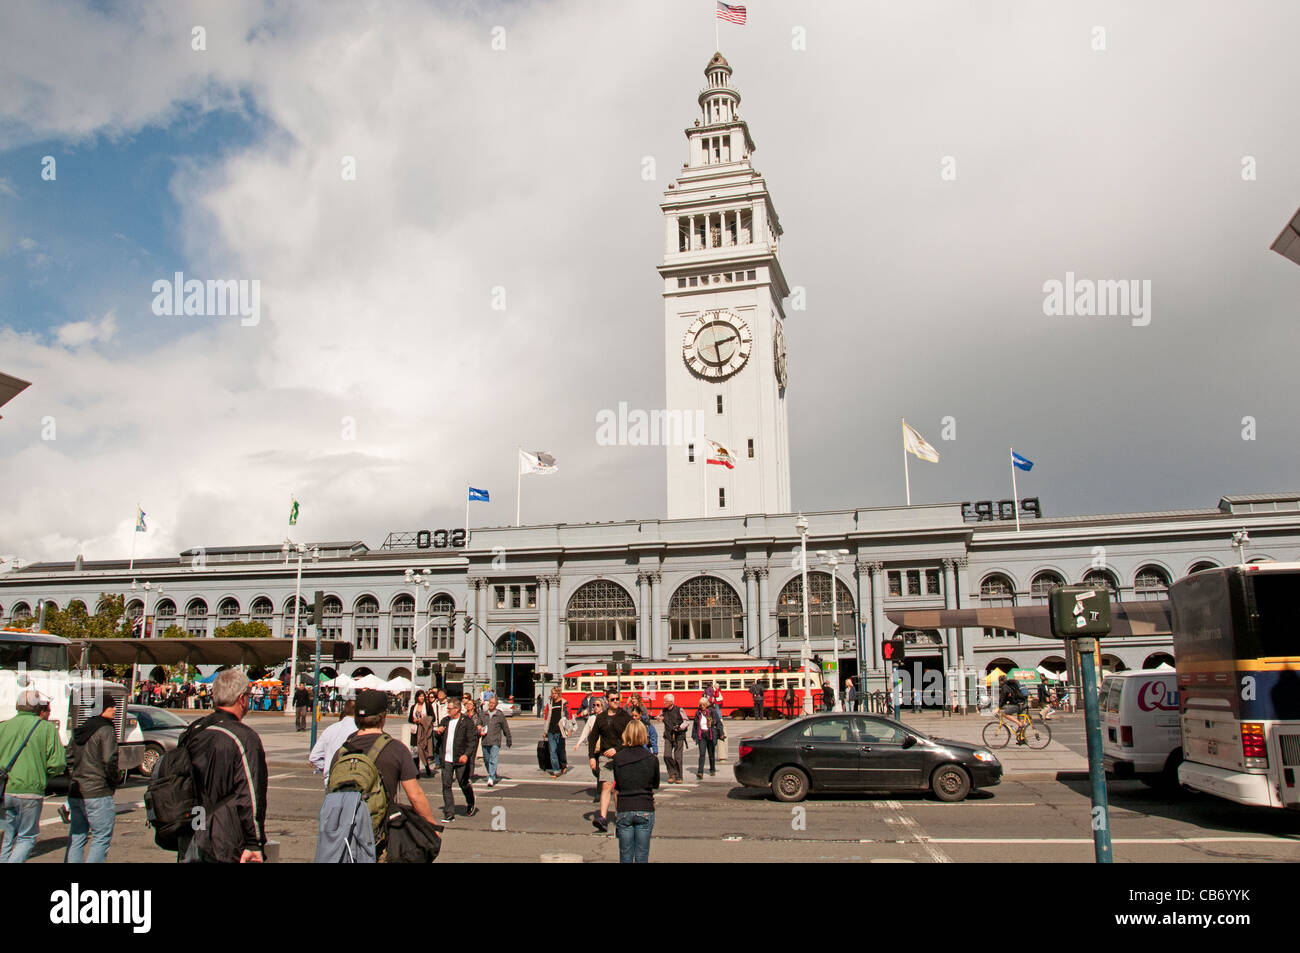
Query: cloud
{"type": "Point", "coordinates": [81, 333]}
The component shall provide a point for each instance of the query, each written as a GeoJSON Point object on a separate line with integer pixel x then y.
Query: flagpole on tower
{"type": "Point", "coordinates": [907, 476]}
{"type": "Point", "coordinates": [519, 481]}
{"type": "Point", "coordinates": [134, 530]}
{"type": "Point", "coordinates": [717, 43]}
{"type": "Point", "coordinates": [1015, 495]}
{"type": "Point", "coordinates": [467, 489]}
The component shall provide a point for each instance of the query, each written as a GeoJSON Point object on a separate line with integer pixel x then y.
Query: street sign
{"type": "Point", "coordinates": [1080, 611]}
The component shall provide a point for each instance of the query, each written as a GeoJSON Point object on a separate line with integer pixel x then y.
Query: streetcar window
{"type": "Point", "coordinates": [735, 683]}
{"type": "Point", "coordinates": [692, 684]}
{"type": "Point", "coordinates": [679, 685]}
{"type": "Point", "coordinates": [570, 682]}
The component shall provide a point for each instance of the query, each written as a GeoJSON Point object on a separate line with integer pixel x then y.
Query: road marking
{"type": "Point", "coordinates": [1115, 840]}
{"type": "Point", "coordinates": [915, 831]}
{"type": "Point", "coordinates": [281, 777]}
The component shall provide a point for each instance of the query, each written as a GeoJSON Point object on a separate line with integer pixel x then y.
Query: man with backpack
{"type": "Point", "coordinates": [227, 765]}
{"type": "Point", "coordinates": [373, 764]}
{"type": "Point", "coordinates": [94, 775]}
{"type": "Point", "coordinates": [30, 753]}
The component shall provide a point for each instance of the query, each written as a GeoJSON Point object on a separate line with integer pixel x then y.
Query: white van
{"type": "Point", "coordinates": [1141, 734]}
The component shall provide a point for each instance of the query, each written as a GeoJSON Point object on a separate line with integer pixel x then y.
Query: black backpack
{"type": "Point", "coordinates": [411, 839]}
{"type": "Point", "coordinates": [169, 798]}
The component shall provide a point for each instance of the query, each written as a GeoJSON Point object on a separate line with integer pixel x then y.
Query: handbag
{"type": "Point", "coordinates": [4, 772]}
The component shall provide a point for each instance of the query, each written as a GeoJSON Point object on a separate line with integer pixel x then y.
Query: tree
{"type": "Point", "coordinates": [174, 632]}
{"type": "Point", "coordinates": [110, 620]}
{"type": "Point", "coordinates": [244, 630]}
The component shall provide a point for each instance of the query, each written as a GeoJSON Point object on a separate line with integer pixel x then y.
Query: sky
{"type": "Point", "coordinates": [445, 210]}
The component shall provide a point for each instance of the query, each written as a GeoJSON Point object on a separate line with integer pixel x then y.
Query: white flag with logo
{"type": "Point", "coordinates": [538, 462]}
{"type": "Point", "coordinates": [916, 445]}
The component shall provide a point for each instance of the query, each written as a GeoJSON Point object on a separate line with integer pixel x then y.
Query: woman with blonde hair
{"type": "Point", "coordinates": [636, 778]}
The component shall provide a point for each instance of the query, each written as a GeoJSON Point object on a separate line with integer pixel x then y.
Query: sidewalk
{"type": "Point", "coordinates": [1066, 753]}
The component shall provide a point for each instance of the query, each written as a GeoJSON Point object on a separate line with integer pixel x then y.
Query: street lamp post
{"type": "Point", "coordinates": [831, 558]}
{"type": "Point", "coordinates": [1240, 540]}
{"type": "Point", "coordinates": [801, 524]}
{"type": "Point", "coordinates": [297, 608]}
{"type": "Point", "coordinates": [144, 625]}
{"type": "Point", "coordinates": [416, 580]}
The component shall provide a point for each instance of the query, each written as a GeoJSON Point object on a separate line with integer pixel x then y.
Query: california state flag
{"type": "Point", "coordinates": [916, 445]}
{"type": "Point", "coordinates": [720, 455]}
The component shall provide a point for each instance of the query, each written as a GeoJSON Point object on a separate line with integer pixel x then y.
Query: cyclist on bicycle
{"type": "Point", "coordinates": [1011, 702]}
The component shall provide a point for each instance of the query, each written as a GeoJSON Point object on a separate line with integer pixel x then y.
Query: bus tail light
{"type": "Point", "coordinates": [1126, 735]}
{"type": "Point", "coordinates": [746, 751]}
{"type": "Point", "coordinates": [1253, 745]}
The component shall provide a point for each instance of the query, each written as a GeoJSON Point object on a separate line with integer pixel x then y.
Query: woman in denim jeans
{"type": "Point", "coordinates": [636, 777]}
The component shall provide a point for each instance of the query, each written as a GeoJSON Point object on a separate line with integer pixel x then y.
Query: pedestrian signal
{"type": "Point", "coordinates": [893, 650]}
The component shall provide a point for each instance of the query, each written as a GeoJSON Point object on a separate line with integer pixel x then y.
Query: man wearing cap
{"type": "Point", "coordinates": [31, 750]}
{"type": "Point", "coordinates": [94, 775]}
{"type": "Point", "coordinates": [457, 739]}
{"type": "Point", "coordinates": [393, 760]}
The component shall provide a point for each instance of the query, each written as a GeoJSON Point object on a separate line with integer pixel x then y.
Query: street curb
{"type": "Point", "coordinates": [1045, 775]}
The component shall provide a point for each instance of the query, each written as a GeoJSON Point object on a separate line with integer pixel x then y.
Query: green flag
{"type": "Point", "coordinates": [293, 512]}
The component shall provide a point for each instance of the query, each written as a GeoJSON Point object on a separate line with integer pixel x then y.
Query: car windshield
{"type": "Point", "coordinates": [156, 719]}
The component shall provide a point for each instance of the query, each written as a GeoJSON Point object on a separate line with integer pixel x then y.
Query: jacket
{"type": "Point", "coordinates": [607, 732]}
{"type": "Point", "coordinates": [230, 786]}
{"type": "Point", "coordinates": [344, 832]}
{"type": "Point", "coordinates": [42, 758]}
{"type": "Point", "coordinates": [551, 709]}
{"type": "Point", "coordinates": [93, 755]}
{"type": "Point", "coordinates": [636, 777]}
{"type": "Point", "coordinates": [497, 725]}
{"type": "Point", "coordinates": [465, 742]}
{"type": "Point", "coordinates": [652, 739]}
{"type": "Point", "coordinates": [674, 723]}
{"type": "Point", "coordinates": [715, 729]}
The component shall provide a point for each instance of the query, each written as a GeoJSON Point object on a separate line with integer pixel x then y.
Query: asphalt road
{"type": "Point", "coordinates": [716, 820]}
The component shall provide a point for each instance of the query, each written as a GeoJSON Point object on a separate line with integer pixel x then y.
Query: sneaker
{"type": "Point", "coordinates": [555, 774]}
{"type": "Point", "coordinates": [471, 812]}
{"type": "Point", "coordinates": [64, 815]}
{"type": "Point", "coordinates": [448, 818]}
{"type": "Point", "coordinates": [491, 782]}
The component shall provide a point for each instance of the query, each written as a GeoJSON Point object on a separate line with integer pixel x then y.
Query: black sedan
{"type": "Point", "coordinates": [851, 752]}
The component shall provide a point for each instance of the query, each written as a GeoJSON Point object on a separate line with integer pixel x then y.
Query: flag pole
{"type": "Point", "coordinates": [519, 482]}
{"type": "Point", "coordinates": [1015, 496]}
{"type": "Point", "coordinates": [136, 523]}
{"type": "Point", "coordinates": [717, 44]}
{"type": "Point", "coordinates": [907, 476]}
{"type": "Point", "coordinates": [466, 514]}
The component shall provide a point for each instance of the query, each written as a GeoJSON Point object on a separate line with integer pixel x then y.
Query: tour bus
{"type": "Point", "coordinates": [686, 678]}
{"type": "Point", "coordinates": [39, 660]}
{"type": "Point", "coordinates": [1237, 649]}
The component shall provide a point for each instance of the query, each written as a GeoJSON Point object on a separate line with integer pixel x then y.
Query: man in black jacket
{"type": "Point", "coordinates": [457, 739]}
{"type": "Point", "coordinates": [605, 741]}
{"type": "Point", "coordinates": [94, 775]}
{"type": "Point", "coordinates": [674, 739]}
{"type": "Point", "coordinates": [229, 780]}
{"type": "Point", "coordinates": [301, 707]}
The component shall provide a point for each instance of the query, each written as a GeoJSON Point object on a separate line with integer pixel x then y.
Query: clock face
{"type": "Point", "coordinates": [717, 345]}
{"type": "Point", "coordinates": [778, 351]}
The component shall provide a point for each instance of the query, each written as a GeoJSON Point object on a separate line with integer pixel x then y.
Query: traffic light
{"type": "Point", "coordinates": [318, 609]}
{"type": "Point", "coordinates": [817, 662]}
{"type": "Point", "coordinates": [893, 650]}
{"type": "Point", "coordinates": [469, 623]}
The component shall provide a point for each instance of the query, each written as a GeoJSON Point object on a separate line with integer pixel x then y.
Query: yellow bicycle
{"type": "Point", "coordinates": [1034, 734]}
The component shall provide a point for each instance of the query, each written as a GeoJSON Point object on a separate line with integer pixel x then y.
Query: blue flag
{"type": "Point", "coordinates": [1021, 463]}
{"type": "Point", "coordinates": [478, 496]}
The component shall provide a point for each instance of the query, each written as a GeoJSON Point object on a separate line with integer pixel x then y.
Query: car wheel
{"type": "Point", "coordinates": [789, 784]}
{"type": "Point", "coordinates": [950, 782]}
{"type": "Point", "coordinates": [151, 755]}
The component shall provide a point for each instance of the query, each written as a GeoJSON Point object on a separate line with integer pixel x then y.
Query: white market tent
{"type": "Point", "coordinates": [398, 685]}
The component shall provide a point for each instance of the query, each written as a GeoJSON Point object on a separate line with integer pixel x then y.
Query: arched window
{"type": "Point", "coordinates": [1042, 586]}
{"type": "Point", "coordinates": [1156, 659]}
{"type": "Point", "coordinates": [996, 590]}
{"type": "Point", "coordinates": [789, 607]}
{"type": "Point", "coordinates": [21, 610]}
{"type": "Point", "coordinates": [52, 606]}
{"type": "Point", "coordinates": [304, 616]}
{"type": "Point", "coordinates": [331, 625]}
{"type": "Point", "coordinates": [601, 611]}
{"type": "Point", "coordinates": [134, 608]}
{"type": "Point", "coordinates": [442, 625]}
{"type": "Point", "coordinates": [165, 615]}
{"type": "Point", "coordinates": [1151, 582]}
{"type": "Point", "coordinates": [403, 622]}
{"type": "Point", "coordinates": [1112, 663]}
{"type": "Point", "coordinates": [263, 611]}
{"type": "Point", "coordinates": [1101, 579]}
{"type": "Point", "coordinates": [196, 619]}
{"type": "Point", "coordinates": [227, 611]}
{"type": "Point", "coordinates": [79, 607]}
{"type": "Point", "coordinates": [365, 623]}
{"type": "Point", "coordinates": [1203, 564]}
{"type": "Point", "coordinates": [514, 641]}
{"type": "Point", "coordinates": [705, 608]}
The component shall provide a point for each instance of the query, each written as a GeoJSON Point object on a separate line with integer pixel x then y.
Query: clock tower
{"type": "Point", "coordinates": [724, 332]}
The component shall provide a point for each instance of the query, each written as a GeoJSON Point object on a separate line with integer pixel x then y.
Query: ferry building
{"type": "Point", "coordinates": [721, 574]}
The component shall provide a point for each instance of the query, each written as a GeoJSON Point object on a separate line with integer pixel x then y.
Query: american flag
{"type": "Point", "coordinates": [732, 14]}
